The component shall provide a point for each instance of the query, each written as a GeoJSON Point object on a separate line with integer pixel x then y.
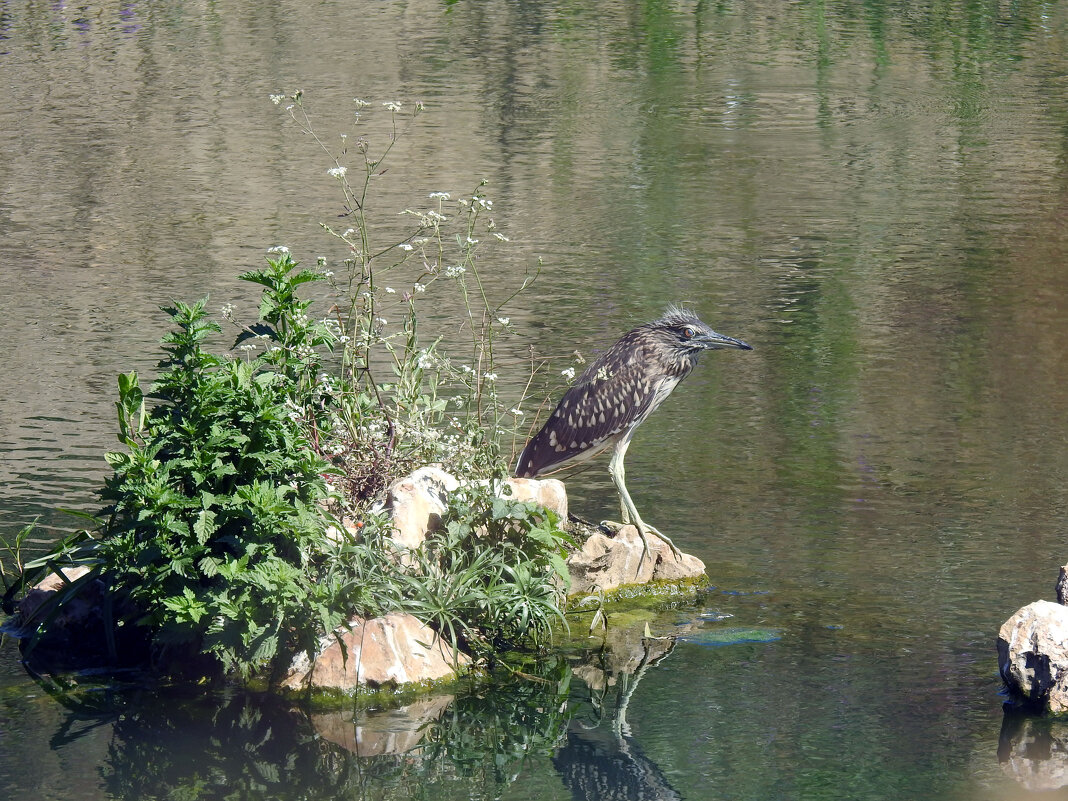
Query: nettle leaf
{"type": "Point", "coordinates": [204, 526]}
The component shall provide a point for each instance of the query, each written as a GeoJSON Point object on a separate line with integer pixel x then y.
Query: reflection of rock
{"type": "Point", "coordinates": [1034, 751]}
{"type": "Point", "coordinates": [626, 651]}
{"type": "Point", "coordinates": [607, 563]}
{"type": "Point", "coordinates": [385, 651]}
{"type": "Point", "coordinates": [1033, 655]}
{"type": "Point", "coordinates": [375, 733]}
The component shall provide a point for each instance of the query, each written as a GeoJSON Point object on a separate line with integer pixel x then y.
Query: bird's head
{"type": "Point", "coordinates": [683, 330]}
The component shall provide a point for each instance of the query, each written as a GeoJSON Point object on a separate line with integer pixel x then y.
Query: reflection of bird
{"type": "Point", "coordinates": [615, 395]}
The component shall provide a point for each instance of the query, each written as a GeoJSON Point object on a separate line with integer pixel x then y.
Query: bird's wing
{"type": "Point", "coordinates": [592, 415]}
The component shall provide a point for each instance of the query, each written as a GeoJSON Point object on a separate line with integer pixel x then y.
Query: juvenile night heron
{"type": "Point", "coordinates": [615, 395]}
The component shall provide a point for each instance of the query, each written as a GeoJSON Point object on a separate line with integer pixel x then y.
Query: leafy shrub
{"type": "Point", "coordinates": [214, 538]}
{"type": "Point", "coordinates": [214, 523]}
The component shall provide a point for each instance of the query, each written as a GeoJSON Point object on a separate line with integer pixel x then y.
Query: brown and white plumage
{"type": "Point", "coordinates": [616, 394]}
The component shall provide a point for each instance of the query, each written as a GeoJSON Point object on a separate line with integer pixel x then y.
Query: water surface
{"type": "Point", "coordinates": [872, 195]}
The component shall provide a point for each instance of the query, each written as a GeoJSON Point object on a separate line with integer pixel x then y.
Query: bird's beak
{"type": "Point", "coordinates": [713, 341]}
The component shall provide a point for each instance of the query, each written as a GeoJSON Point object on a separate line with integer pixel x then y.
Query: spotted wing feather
{"type": "Point", "coordinates": [596, 411]}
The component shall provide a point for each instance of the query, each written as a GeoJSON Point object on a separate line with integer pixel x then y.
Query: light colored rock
{"type": "Point", "coordinates": [417, 502]}
{"type": "Point", "coordinates": [607, 563]}
{"type": "Point", "coordinates": [394, 650]}
{"type": "Point", "coordinates": [1033, 654]}
{"type": "Point", "coordinates": [1062, 586]}
{"type": "Point", "coordinates": [547, 492]}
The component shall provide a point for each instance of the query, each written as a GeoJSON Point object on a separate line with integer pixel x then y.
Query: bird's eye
{"type": "Point", "coordinates": [688, 333]}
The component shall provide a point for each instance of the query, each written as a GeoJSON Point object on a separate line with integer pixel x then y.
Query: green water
{"type": "Point", "coordinates": [874, 195]}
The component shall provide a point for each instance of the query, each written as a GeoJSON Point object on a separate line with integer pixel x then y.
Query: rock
{"type": "Point", "coordinates": [607, 563]}
{"type": "Point", "coordinates": [417, 502]}
{"type": "Point", "coordinates": [1062, 586]}
{"type": "Point", "coordinates": [1033, 655]}
{"type": "Point", "coordinates": [380, 652]}
{"type": "Point", "coordinates": [547, 492]}
{"type": "Point", "coordinates": [40, 593]}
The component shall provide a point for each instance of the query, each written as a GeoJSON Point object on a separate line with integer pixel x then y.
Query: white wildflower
{"type": "Point", "coordinates": [276, 99]}
{"type": "Point", "coordinates": [393, 106]}
{"type": "Point", "coordinates": [502, 238]}
{"type": "Point", "coordinates": [405, 246]}
{"type": "Point", "coordinates": [455, 271]}
{"type": "Point", "coordinates": [360, 103]}
{"type": "Point", "coordinates": [381, 321]}
{"type": "Point", "coordinates": [439, 196]}
{"type": "Point", "coordinates": [516, 411]}
{"type": "Point", "coordinates": [419, 287]}
{"type": "Point", "coordinates": [504, 320]}
{"type": "Point", "coordinates": [569, 373]}
{"type": "Point", "coordinates": [278, 249]}
{"type": "Point", "coordinates": [227, 311]}
{"type": "Point", "coordinates": [491, 376]}
{"type": "Point", "coordinates": [471, 241]}
{"type": "Point", "coordinates": [337, 172]}
{"type": "Point", "coordinates": [390, 290]}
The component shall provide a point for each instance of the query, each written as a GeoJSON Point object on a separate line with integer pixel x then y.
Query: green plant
{"type": "Point", "coordinates": [404, 401]}
{"type": "Point", "coordinates": [216, 539]}
{"type": "Point", "coordinates": [493, 575]}
{"type": "Point", "coordinates": [214, 528]}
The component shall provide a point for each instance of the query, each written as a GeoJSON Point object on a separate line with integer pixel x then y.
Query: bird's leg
{"type": "Point", "coordinates": [627, 509]}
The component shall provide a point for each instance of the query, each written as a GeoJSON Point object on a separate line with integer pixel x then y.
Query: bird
{"type": "Point", "coordinates": [615, 395]}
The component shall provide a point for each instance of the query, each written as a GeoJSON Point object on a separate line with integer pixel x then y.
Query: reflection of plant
{"type": "Point", "coordinates": [492, 734]}
{"type": "Point", "coordinates": [209, 745]}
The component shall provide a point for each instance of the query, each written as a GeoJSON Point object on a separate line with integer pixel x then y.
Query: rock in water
{"type": "Point", "coordinates": [1033, 655]}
